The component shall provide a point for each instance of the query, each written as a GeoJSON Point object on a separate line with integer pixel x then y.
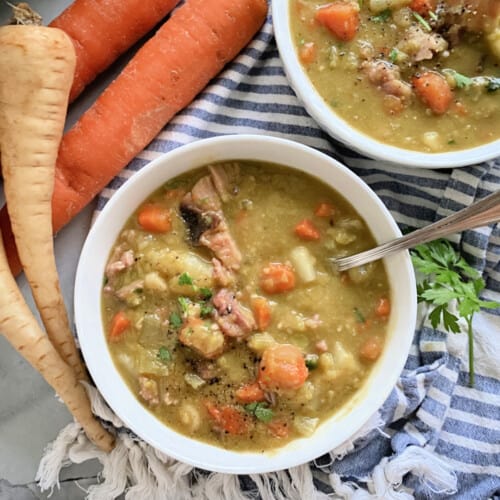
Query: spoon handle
{"type": "Point", "coordinates": [478, 214]}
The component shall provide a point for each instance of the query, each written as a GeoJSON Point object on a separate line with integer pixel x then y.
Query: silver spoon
{"type": "Point", "coordinates": [478, 214]}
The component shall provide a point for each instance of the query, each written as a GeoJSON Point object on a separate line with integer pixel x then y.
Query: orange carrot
{"type": "Point", "coordinates": [154, 218]}
{"type": "Point", "coordinates": [277, 278]}
{"type": "Point", "coordinates": [262, 312]}
{"type": "Point", "coordinates": [341, 18]}
{"type": "Point", "coordinates": [434, 91]}
{"type": "Point", "coordinates": [228, 418]}
{"type": "Point", "coordinates": [163, 77]}
{"type": "Point", "coordinates": [103, 30]}
{"type": "Point", "coordinates": [307, 53]}
{"type": "Point", "coordinates": [383, 308]}
{"type": "Point", "coordinates": [282, 367]}
{"type": "Point", "coordinates": [306, 230]}
{"type": "Point", "coordinates": [119, 324]}
{"type": "Point", "coordinates": [279, 428]}
{"type": "Point", "coordinates": [423, 7]}
{"type": "Point", "coordinates": [324, 209]}
{"type": "Point", "coordinates": [371, 349]}
{"type": "Point", "coordinates": [250, 393]}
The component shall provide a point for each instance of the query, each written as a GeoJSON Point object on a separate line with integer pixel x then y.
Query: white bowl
{"type": "Point", "coordinates": [90, 272]}
{"type": "Point", "coordinates": [343, 131]}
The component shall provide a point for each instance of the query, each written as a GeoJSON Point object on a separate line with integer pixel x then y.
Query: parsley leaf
{"type": "Point", "coordinates": [393, 55]}
{"type": "Point", "coordinates": [205, 293]}
{"type": "Point", "coordinates": [311, 361]}
{"type": "Point", "coordinates": [450, 280]}
{"type": "Point", "coordinates": [184, 303]}
{"type": "Point", "coordinates": [260, 411]}
{"type": "Point", "coordinates": [206, 310]}
{"type": "Point", "coordinates": [185, 279]}
{"type": "Point", "coordinates": [359, 315]}
{"type": "Point", "coordinates": [422, 21]}
{"type": "Point", "coordinates": [462, 81]}
{"type": "Point", "coordinates": [382, 17]}
{"type": "Point", "coordinates": [175, 320]}
{"type": "Point", "coordinates": [164, 355]}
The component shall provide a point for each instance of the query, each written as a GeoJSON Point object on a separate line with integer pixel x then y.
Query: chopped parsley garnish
{"type": "Point", "coordinates": [433, 16]}
{"type": "Point", "coordinates": [452, 141]}
{"type": "Point", "coordinates": [394, 54]}
{"type": "Point", "coordinates": [164, 355]}
{"type": "Point", "coordinates": [175, 320]}
{"type": "Point", "coordinates": [359, 315]}
{"type": "Point", "coordinates": [206, 310]}
{"type": "Point", "coordinates": [382, 17]}
{"type": "Point", "coordinates": [260, 411]}
{"type": "Point", "coordinates": [184, 303]}
{"type": "Point", "coordinates": [422, 21]}
{"type": "Point", "coordinates": [311, 361]}
{"type": "Point", "coordinates": [205, 293]}
{"type": "Point", "coordinates": [185, 279]}
{"type": "Point", "coordinates": [450, 279]}
{"type": "Point", "coordinates": [462, 81]}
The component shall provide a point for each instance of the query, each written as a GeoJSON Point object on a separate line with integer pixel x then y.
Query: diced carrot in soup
{"type": "Point", "coordinates": [307, 53]}
{"type": "Point", "coordinates": [155, 219]}
{"type": "Point", "coordinates": [341, 18]}
{"type": "Point", "coordinates": [262, 312]}
{"type": "Point", "coordinates": [282, 367]}
{"type": "Point", "coordinates": [249, 393]}
{"type": "Point", "coordinates": [306, 230]}
{"type": "Point", "coordinates": [434, 91]}
{"type": "Point", "coordinates": [277, 278]}
{"type": "Point", "coordinates": [371, 349]}
{"type": "Point", "coordinates": [119, 324]}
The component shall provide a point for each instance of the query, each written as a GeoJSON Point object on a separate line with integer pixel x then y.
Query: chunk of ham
{"type": "Point", "coordinates": [148, 390]}
{"type": "Point", "coordinates": [120, 260]}
{"type": "Point", "coordinates": [125, 291]}
{"type": "Point", "coordinates": [201, 211]}
{"type": "Point", "coordinates": [222, 276]}
{"type": "Point", "coordinates": [420, 45]}
{"type": "Point", "coordinates": [225, 179]}
{"type": "Point", "coordinates": [222, 244]}
{"type": "Point", "coordinates": [234, 319]}
{"type": "Point", "coordinates": [387, 77]}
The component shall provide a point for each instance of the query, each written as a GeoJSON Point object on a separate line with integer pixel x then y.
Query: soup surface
{"type": "Point", "coordinates": [222, 314]}
{"type": "Point", "coordinates": [417, 74]}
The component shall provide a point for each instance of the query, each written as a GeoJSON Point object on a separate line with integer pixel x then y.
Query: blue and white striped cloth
{"type": "Point", "coordinates": [431, 407]}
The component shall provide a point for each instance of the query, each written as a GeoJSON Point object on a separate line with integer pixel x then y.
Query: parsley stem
{"type": "Point", "coordinates": [471, 351]}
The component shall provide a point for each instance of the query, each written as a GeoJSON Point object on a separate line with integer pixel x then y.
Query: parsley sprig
{"type": "Point", "coordinates": [450, 279]}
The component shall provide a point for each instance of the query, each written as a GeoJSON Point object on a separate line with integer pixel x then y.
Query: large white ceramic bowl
{"type": "Point", "coordinates": [343, 131]}
{"type": "Point", "coordinates": [89, 279]}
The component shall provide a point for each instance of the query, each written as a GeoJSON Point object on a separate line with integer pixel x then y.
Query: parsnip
{"type": "Point", "coordinates": [21, 329]}
{"type": "Point", "coordinates": [36, 67]}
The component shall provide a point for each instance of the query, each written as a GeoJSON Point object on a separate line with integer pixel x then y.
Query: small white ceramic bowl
{"type": "Point", "coordinates": [89, 278]}
{"type": "Point", "coordinates": [343, 131]}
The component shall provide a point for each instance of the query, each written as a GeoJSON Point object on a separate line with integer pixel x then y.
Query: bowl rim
{"type": "Point", "coordinates": [113, 388]}
{"type": "Point", "coordinates": [341, 130]}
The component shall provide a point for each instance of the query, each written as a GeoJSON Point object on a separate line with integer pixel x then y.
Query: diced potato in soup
{"type": "Point", "coordinates": [233, 329]}
{"type": "Point", "coordinates": [422, 75]}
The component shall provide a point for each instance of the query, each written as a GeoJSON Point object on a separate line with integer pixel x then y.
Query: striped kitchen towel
{"type": "Point", "coordinates": [434, 437]}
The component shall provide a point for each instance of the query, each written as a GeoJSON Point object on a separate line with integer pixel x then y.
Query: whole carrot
{"type": "Point", "coordinates": [102, 30]}
{"type": "Point", "coordinates": [163, 77]}
{"type": "Point", "coordinates": [21, 329]}
{"type": "Point", "coordinates": [37, 65]}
